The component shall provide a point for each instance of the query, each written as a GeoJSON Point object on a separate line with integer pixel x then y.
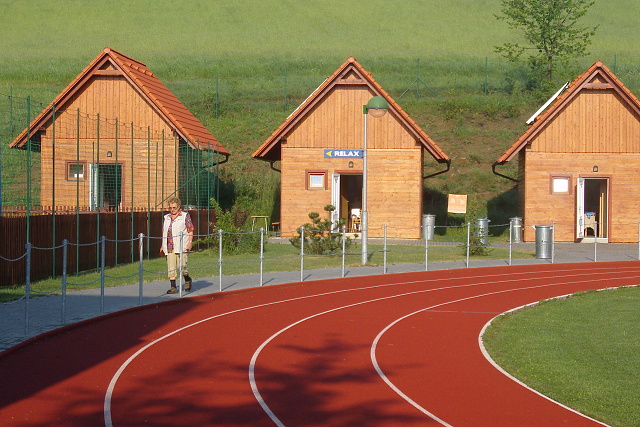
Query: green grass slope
{"type": "Point", "coordinates": [259, 59]}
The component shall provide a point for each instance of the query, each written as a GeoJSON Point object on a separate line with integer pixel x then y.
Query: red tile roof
{"type": "Point", "coordinates": [587, 80]}
{"type": "Point", "coordinates": [179, 118]}
{"type": "Point", "coordinates": [270, 149]}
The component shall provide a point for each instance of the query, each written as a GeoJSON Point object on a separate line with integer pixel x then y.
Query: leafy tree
{"type": "Point", "coordinates": [550, 29]}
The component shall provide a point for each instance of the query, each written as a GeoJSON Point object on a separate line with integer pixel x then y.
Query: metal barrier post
{"type": "Point", "coordinates": [302, 253]}
{"type": "Point", "coordinates": [27, 289]}
{"type": "Point", "coordinates": [344, 247]}
{"type": "Point", "coordinates": [102, 259]}
{"type": "Point", "coordinates": [468, 239]}
{"type": "Point", "coordinates": [384, 265]}
{"type": "Point", "coordinates": [220, 257]}
{"type": "Point", "coordinates": [140, 268]}
{"type": "Point", "coordinates": [426, 254]}
{"type": "Point", "coordinates": [180, 258]}
{"type": "Point", "coordinates": [510, 241]}
{"type": "Point", "coordinates": [261, 253]}
{"type": "Point", "coordinates": [595, 242]}
{"type": "Point", "coordinates": [65, 244]}
{"type": "Point", "coordinates": [553, 242]}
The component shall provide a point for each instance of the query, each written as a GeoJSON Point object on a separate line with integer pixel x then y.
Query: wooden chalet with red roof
{"type": "Point", "coordinates": [115, 123]}
{"type": "Point", "coordinates": [319, 150]}
{"type": "Point", "coordinates": [579, 162]}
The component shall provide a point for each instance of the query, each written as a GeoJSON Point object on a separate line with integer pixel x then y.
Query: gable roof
{"type": "Point", "coordinates": [148, 86]}
{"type": "Point", "coordinates": [597, 77]}
{"type": "Point", "coordinates": [352, 73]}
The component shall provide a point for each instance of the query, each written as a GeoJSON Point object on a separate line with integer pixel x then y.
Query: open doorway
{"type": "Point", "coordinates": [592, 208]}
{"type": "Point", "coordinates": [105, 191]}
{"type": "Point", "coordinates": [346, 196]}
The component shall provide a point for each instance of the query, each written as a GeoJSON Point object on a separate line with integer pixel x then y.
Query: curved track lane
{"type": "Point", "coordinates": [381, 350]}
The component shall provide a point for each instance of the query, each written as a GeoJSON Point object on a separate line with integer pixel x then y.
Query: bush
{"type": "Point", "coordinates": [319, 235]}
{"type": "Point", "coordinates": [235, 238]}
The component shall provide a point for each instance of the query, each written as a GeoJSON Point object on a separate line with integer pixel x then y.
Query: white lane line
{"type": "Point", "coordinates": [487, 356]}
{"type": "Point", "coordinates": [117, 375]}
{"type": "Point", "coordinates": [419, 407]}
{"type": "Point", "coordinates": [110, 389]}
{"type": "Point", "coordinates": [277, 421]}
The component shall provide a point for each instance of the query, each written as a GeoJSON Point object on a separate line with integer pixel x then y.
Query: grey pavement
{"type": "Point", "coordinates": [25, 319]}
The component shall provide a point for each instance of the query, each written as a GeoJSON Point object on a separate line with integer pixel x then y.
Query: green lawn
{"type": "Point", "coordinates": [583, 351]}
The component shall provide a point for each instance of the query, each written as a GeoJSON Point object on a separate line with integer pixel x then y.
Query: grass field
{"type": "Point", "coordinates": [582, 351]}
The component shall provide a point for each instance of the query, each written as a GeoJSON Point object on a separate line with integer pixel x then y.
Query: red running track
{"type": "Point", "coordinates": [392, 350]}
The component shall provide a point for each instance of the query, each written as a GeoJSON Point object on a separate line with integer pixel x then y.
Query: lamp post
{"type": "Point", "coordinates": [377, 107]}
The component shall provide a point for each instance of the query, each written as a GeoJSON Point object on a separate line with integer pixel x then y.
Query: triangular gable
{"type": "Point", "coordinates": [148, 86]}
{"type": "Point", "coordinates": [598, 76]}
{"type": "Point", "coordinates": [349, 73]}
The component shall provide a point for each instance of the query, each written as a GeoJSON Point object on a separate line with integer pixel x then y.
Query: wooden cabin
{"type": "Point", "coordinates": [116, 138]}
{"type": "Point", "coordinates": [320, 153]}
{"type": "Point", "coordinates": [579, 162]}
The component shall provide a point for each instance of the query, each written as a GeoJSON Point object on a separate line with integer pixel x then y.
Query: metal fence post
{"type": "Point", "coordinates": [102, 260]}
{"type": "Point", "coordinates": [426, 252]}
{"type": "Point", "coordinates": [65, 244]}
{"type": "Point", "coordinates": [261, 253]}
{"type": "Point", "coordinates": [553, 242]}
{"type": "Point", "coordinates": [468, 242]}
{"type": "Point", "coordinates": [302, 253]}
{"type": "Point", "coordinates": [384, 251]}
{"type": "Point", "coordinates": [220, 257]}
{"type": "Point", "coordinates": [510, 240]}
{"type": "Point", "coordinates": [344, 247]}
{"type": "Point", "coordinates": [140, 268]}
{"type": "Point", "coordinates": [180, 258]}
{"type": "Point", "coordinates": [595, 242]}
{"type": "Point", "coordinates": [27, 289]}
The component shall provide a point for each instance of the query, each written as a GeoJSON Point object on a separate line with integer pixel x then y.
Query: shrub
{"type": "Point", "coordinates": [319, 235]}
{"type": "Point", "coordinates": [235, 238]}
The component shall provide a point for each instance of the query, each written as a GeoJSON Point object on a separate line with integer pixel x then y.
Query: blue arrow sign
{"type": "Point", "coordinates": [342, 154]}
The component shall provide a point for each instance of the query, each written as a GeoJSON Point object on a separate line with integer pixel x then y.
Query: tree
{"type": "Point", "coordinates": [551, 30]}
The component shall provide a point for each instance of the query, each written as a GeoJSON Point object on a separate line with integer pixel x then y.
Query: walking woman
{"type": "Point", "coordinates": [176, 223]}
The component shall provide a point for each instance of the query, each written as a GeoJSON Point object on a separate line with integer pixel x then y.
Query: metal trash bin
{"type": "Point", "coordinates": [516, 229]}
{"type": "Point", "coordinates": [482, 230]}
{"type": "Point", "coordinates": [428, 226]}
{"type": "Point", "coordinates": [544, 241]}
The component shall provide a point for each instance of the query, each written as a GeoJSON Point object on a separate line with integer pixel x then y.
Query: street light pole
{"type": "Point", "coordinates": [377, 107]}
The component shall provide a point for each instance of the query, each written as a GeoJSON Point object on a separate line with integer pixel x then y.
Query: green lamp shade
{"type": "Point", "coordinates": [377, 106]}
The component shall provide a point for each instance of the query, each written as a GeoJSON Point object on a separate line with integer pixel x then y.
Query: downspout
{"type": "Point", "coordinates": [493, 169]}
{"type": "Point", "coordinates": [448, 162]}
{"type": "Point", "coordinates": [271, 162]}
{"type": "Point", "coordinates": [226, 159]}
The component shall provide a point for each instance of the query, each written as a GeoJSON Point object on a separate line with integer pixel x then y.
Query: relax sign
{"type": "Point", "coordinates": [342, 154]}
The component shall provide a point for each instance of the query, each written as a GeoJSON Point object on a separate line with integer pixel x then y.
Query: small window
{"type": "Point", "coordinates": [316, 180]}
{"type": "Point", "coordinates": [75, 171]}
{"type": "Point", "coordinates": [560, 185]}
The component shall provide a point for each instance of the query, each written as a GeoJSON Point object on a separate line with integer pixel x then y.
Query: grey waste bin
{"type": "Point", "coordinates": [482, 230]}
{"type": "Point", "coordinates": [428, 226]}
{"type": "Point", "coordinates": [516, 229]}
{"type": "Point", "coordinates": [544, 240]}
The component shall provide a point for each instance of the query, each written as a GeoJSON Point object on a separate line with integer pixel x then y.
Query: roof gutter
{"type": "Point", "coordinates": [493, 169]}
{"type": "Point", "coordinates": [448, 162]}
{"type": "Point", "coordinates": [271, 162]}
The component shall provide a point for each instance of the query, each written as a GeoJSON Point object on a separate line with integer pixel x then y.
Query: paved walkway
{"type": "Point", "coordinates": [20, 322]}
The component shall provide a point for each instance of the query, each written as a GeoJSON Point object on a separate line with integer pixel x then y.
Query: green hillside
{"type": "Point", "coordinates": [260, 58]}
